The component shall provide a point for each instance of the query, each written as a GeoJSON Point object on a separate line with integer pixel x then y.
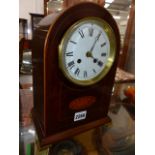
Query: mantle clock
{"type": "Point", "coordinates": [75, 57]}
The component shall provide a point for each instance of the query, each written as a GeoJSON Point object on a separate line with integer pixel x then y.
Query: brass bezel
{"type": "Point", "coordinates": [112, 39]}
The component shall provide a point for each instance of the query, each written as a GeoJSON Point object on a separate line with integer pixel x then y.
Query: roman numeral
{"type": "Point", "coordinates": [69, 54]}
{"type": "Point", "coordinates": [77, 71]}
{"type": "Point", "coordinates": [85, 74]}
{"type": "Point", "coordinates": [81, 33]}
{"type": "Point", "coordinates": [103, 54]}
{"type": "Point", "coordinates": [71, 64]}
{"type": "Point", "coordinates": [73, 42]}
{"type": "Point", "coordinates": [103, 44]}
{"type": "Point", "coordinates": [91, 30]}
{"type": "Point", "coordinates": [100, 63]}
{"type": "Point", "coordinates": [94, 70]}
{"type": "Point", "coordinates": [98, 36]}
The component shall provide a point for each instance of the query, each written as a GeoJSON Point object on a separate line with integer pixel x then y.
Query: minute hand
{"type": "Point", "coordinates": [96, 39]}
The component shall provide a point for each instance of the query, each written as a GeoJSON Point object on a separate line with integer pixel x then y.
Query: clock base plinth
{"type": "Point", "coordinates": [46, 140]}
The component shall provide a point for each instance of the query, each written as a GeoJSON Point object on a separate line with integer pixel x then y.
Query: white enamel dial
{"type": "Point", "coordinates": [85, 52]}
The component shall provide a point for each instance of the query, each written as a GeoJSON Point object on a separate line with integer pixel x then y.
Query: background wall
{"type": "Point", "coordinates": [30, 6]}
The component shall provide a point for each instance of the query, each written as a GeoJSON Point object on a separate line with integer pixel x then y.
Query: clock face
{"type": "Point", "coordinates": [87, 51]}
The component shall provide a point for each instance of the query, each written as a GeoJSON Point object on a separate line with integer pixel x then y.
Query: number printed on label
{"type": "Point", "coordinates": [80, 115]}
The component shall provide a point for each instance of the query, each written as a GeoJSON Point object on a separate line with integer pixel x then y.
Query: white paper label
{"type": "Point", "coordinates": [80, 116]}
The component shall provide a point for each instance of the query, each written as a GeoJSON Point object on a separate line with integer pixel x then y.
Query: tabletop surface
{"type": "Point", "coordinates": [116, 138]}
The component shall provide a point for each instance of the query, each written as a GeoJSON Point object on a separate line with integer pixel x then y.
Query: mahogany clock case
{"type": "Point", "coordinates": [53, 93]}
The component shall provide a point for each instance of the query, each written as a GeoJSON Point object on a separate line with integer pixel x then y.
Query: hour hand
{"type": "Point", "coordinates": [95, 60]}
{"type": "Point", "coordinates": [89, 54]}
